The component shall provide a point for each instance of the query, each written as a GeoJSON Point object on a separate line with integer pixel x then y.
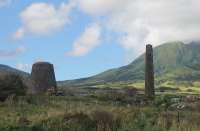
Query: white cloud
{"type": "Point", "coordinates": [43, 18]}
{"type": "Point", "coordinates": [87, 41]}
{"type": "Point", "coordinates": [19, 34]}
{"type": "Point", "coordinates": [138, 22]}
{"type": "Point", "coordinates": [101, 7]}
{"type": "Point", "coordinates": [141, 22]}
{"type": "Point", "coordinates": [12, 53]}
{"type": "Point", "coordinates": [24, 67]}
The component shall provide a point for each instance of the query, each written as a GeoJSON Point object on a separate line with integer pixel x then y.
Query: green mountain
{"type": "Point", "coordinates": [172, 61]}
{"type": "Point", "coordinates": [5, 70]}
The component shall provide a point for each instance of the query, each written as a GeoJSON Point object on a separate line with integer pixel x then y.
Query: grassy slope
{"type": "Point", "coordinates": [5, 70]}
{"type": "Point", "coordinates": [174, 61]}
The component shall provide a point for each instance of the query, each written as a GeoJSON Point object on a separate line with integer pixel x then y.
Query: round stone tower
{"type": "Point", "coordinates": [43, 78]}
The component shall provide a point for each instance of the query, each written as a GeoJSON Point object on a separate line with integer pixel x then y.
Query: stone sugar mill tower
{"type": "Point", "coordinates": [43, 78]}
{"type": "Point", "coordinates": [149, 72]}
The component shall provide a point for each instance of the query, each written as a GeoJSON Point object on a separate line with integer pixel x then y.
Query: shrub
{"type": "Point", "coordinates": [79, 121]}
{"type": "Point", "coordinates": [163, 101]}
{"type": "Point", "coordinates": [131, 91]}
{"type": "Point", "coordinates": [165, 88]}
{"type": "Point", "coordinates": [106, 121]}
{"type": "Point", "coordinates": [23, 121]}
{"type": "Point", "coordinates": [11, 85]}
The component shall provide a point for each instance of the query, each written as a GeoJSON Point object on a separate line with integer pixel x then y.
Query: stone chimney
{"type": "Point", "coordinates": [149, 72]}
{"type": "Point", "coordinates": [43, 78]}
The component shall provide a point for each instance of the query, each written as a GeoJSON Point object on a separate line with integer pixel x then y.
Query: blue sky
{"type": "Point", "coordinates": [53, 47]}
{"type": "Point", "coordinates": [85, 37]}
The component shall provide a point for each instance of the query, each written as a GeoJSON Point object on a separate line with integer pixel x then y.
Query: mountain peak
{"type": "Point", "coordinates": [172, 60]}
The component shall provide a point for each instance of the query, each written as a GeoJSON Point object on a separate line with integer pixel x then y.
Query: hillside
{"type": "Point", "coordinates": [4, 70]}
{"type": "Point", "coordinates": [172, 61]}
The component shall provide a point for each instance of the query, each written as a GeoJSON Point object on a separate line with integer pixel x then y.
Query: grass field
{"type": "Point", "coordinates": [167, 86]}
{"type": "Point", "coordinates": [96, 110]}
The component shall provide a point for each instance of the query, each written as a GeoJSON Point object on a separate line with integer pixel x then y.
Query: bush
{"type": "Point", "coordinates": [79, 121]}
{"type": "Point", "coordinates": [106, 121]}
{"type": "Point", "coordinates": [11, 84]}
{"type": "Point", "coordinates": [165, 88]}
{"type": "Point", "coordinates": [162, 101]}
{"type": "Point", "coordinates": [97, 120]}
{"type": "Point", "coordinates": [131, 91]}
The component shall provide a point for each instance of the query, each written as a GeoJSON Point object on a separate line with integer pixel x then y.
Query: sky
{"type": "Point", "coordinates": [85, 37]}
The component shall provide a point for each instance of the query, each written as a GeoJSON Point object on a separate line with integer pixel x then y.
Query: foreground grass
{"type": "Point", "coordinates": [42, 113]}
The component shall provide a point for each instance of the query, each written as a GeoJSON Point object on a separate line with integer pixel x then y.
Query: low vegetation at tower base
{"type": "Point", "coordinates": [99, 110]}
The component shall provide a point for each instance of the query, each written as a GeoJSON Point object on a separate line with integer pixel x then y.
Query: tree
{"type": "Point", "coordinates": [11, 84]}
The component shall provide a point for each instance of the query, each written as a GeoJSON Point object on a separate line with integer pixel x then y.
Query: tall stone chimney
{"type": "Point", "coordinates": [149, 72]}
{"type": "Point", "coordinates": [43, 78]}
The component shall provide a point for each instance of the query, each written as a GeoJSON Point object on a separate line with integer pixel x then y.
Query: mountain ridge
{"type": "Point", "coordinates": [172, 60]}
{"type": "Point", "coordinates": [5, 70]}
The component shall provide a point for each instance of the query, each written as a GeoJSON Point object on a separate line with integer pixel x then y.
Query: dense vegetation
{"type": "Point", "coordinates": [6, 70]}
{"type": "Point", "coordinates": [95, 113]}
{"type": "Point", "coordinates": [11, 84]}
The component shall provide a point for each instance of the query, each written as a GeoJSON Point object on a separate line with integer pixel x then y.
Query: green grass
{"type": "Point", "coordinates": [168, 86]}
{"type": "Point", "coordinates": [93, 113]}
